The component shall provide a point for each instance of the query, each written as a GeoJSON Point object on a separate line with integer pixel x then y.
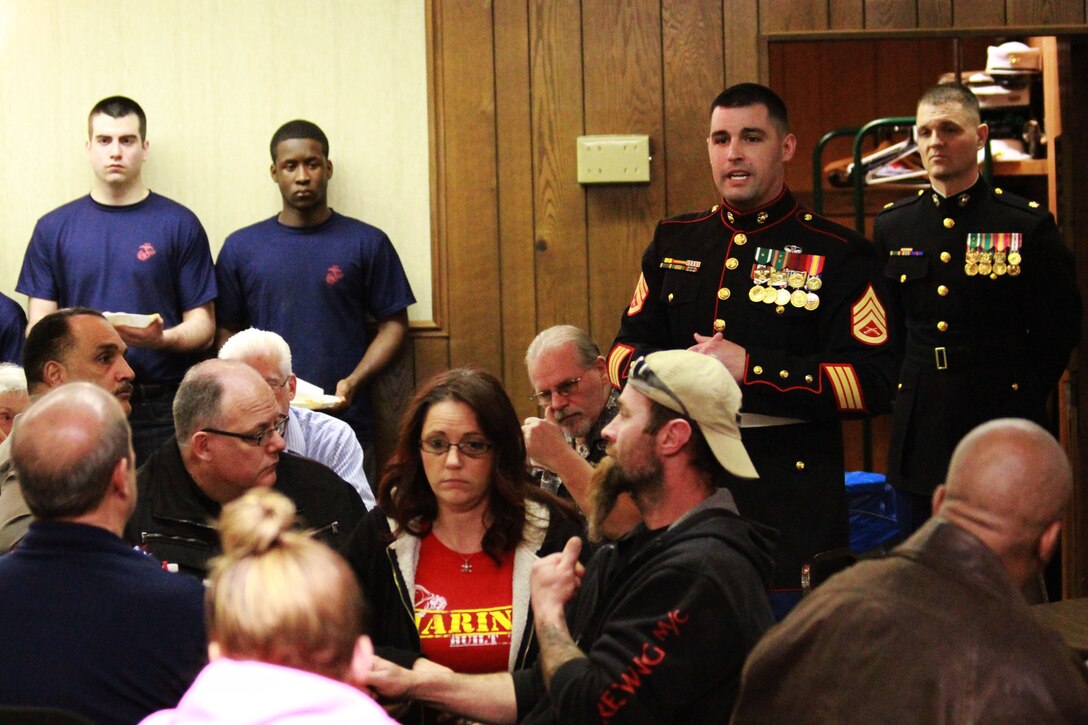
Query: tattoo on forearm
{"type": "Point", "coordinates": [556, 649]}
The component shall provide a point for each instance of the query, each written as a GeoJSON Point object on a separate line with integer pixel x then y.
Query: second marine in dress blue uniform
{"type": "Point", "coordinates": [805, 298]}
{"type": "Point", "coordinates": [985, 295]}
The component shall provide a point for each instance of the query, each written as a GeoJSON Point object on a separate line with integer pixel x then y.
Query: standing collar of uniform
{"type": "Point", "coordinates": [965, 199]}
{"type": "Point", "coordinates": [762, 217]}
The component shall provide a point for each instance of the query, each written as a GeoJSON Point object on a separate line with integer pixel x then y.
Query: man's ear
{"type": "Point", "coordinates": [983, 132]}
{"type": "Point", "coordinates": [1048, 542]}
{"type": "Point", "coordinates": [198, 445]}
{"type": "Point", "coordinates": [673, 436]}
{"type": "Point", "coordinates": [121, 482]}
{"type": "Point", "coordinates": [292, 384]}
{"type": "Point", "coordinates": [54, 374]}
{"type": "Point", "coordinates": [938, 499]}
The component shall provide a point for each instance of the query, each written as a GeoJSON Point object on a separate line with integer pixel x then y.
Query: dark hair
{"type": "Point", "coordinates": [952, 93]}
{"type": "Point", "coordinates": [702, 457]}
{"type": "Point", "coordinates": [50, 339]}
{"type": "Point", "coordinates": [299, 129]}
{"type": "Point", "coordinates": [118, 107]}
{"type": "Point", "coordinates": [406, 496]}
{"type": "Point", "coordinates": [743, 95]}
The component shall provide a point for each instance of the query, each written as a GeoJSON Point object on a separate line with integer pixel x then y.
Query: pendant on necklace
{"type": "Point", "coordinates": [466, 566]}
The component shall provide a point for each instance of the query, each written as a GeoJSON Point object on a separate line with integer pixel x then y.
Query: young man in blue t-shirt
{"type": "Point", "coordinates": [123, 248]}
{"type": "Point", "coordinates": [313, 275]}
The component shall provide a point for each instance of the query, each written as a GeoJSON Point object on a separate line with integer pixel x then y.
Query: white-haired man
{"type": "Point", "coordinates": [13, 396]}
{"type": "Point", "coordinates": [309, 433]}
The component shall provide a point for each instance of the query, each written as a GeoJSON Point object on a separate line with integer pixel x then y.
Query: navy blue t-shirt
{"type": "Point", "coordinates": [147, 257]}
{"type": "Point", "coordinates": [12, 330]}
{"type": "Point", "coordinates": [314, 286]}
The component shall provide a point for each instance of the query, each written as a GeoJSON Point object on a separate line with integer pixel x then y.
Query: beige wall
{"type": "Point", "coordinates": [216, 79]}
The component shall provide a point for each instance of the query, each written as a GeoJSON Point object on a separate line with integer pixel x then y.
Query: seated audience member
{"type": "Point", "coordinates": [88, 624]}
{"type": "Point", "coordinates": [285, 628]}
{"type": "Point", "coordinates": [12, 330]}
{"type": "Point", "coordinates": [13, 396]}
{"type": "Point", "coordinates": [939, 629]}
{"type": "Point", "coordinates": [445, 559]}
{"type": "Point", "coordinates": [309, 433]}
{"type": "Point", "coordinates": [571, 382]}
{"type": "Point", "coordinates": [69, 345]}
{"type": "Point", "coordinates": [661, 621]}
{"type": "Point", "coordinates": [229, 440]}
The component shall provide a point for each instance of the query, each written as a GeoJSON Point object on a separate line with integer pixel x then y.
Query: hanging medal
{"type": "Point", "coordinates": [1015, 240]}
{"type": "Point", "coordinates": [972, 255]}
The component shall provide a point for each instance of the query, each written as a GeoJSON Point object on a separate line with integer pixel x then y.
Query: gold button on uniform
{"type": "Point", "coordinates": [902, 278]}
{"type": "Point", "coordinates": [942, 326]}
{"type": "Point", "coordinates": [783, 374]}
{"type": "Point", "coordinates": [740, 238]}
{"type": "Point", "coordinates": [1016, 386]}
{"type": "Point", "coordinates": [949, 222]}
{"type": "Point", "coordinates": [670, 297]}
{"type": "Point", "coordinates": [719, 325]}
{"type": "Point", "coordinates": [800, 465]}
{"type": "Point", "coordinates": [732, 263]}
{"type": "Point", "coordinates": [808, 217]}
{"type": "Point", "coordinates": [779, 310]}
{"type": "Point", "coordinates": [723, 293]}
{"type": "Point", "coordinates": [809, 378]}
{"type": "Point", "coordinates": [758, 370]}
{"type": "Point", "coordinates": [899, 386]}
{"type": "Point", "coordinates": [946, 257]}
{"type": "Point", "coordinates": [942, 290]}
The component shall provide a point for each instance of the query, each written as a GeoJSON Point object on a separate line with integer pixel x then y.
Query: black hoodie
{"type": "Point", "coordinates": [666, 620]}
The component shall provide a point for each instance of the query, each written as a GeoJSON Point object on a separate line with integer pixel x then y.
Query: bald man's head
{"type": "Point", "coordinates": [1008, 483]}
{"type": "Point", "coordinates": [66, 447]}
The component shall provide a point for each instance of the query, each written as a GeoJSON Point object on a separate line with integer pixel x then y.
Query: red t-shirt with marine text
{"type": "Point", "coordinates": [464, 607]}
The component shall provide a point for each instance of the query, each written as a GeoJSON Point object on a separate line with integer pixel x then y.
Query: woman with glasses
{"type": "Point", "coordinates": [445, 558]}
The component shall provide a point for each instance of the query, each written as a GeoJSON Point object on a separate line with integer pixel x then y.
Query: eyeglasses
{"type": "Point", "coordinates": [255, 439]}
{"type": "Point", "coordinates": [274, 385]}
{"type": "Point", "coordinates": [565, 388]}
{"type": "Point", "coordinates": [473, 447]}
{"type": "Point", "coordinates": [641, 372]}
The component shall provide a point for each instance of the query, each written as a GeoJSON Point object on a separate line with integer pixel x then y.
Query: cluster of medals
{"type": "Point", "coordinates": [993, 255]}
{"type": "Point", "coordinates": [786, 277]}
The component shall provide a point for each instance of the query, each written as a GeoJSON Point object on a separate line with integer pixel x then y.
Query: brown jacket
{"type": "Point", "coordinates": [934, 633]}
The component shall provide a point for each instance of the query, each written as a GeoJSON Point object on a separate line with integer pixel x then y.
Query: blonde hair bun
{"type": "Point", "coordinates": [258, 521]}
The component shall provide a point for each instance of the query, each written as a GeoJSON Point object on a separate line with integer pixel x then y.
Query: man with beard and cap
{"type": "Point", "coordinates": [76, 344]}
{"type": "Point", "coordinates": [660, 621]}
{"type": "Point", "coordinates": [570, 382]}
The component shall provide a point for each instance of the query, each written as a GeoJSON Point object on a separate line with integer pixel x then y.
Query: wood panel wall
{"type": "Point", "coordinates": [519, 244]}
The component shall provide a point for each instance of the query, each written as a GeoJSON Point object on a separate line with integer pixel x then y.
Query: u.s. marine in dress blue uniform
{"type": "Point", "coordinates": [805, 298]}
{"type": "Point", "coordinates": [980, 339]}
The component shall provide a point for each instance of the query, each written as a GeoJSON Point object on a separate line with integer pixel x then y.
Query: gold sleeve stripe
{"type": "Point", "coordinates": [639, 298]}
{"type": "Point", "coordinates": [617, 363]}
{"type": "Point", "coordinates": [844, 381]}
